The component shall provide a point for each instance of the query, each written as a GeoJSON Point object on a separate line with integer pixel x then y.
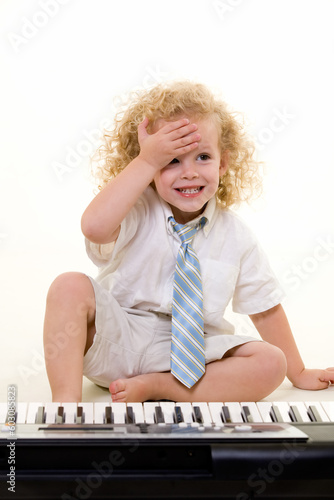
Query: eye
{"type": "Point", "coordinates": [174, 160]}
{"type": "Point", "coordinates": [204, 157]}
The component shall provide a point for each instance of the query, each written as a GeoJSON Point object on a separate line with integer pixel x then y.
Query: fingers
{"type": "Point", "coordinates": [327, 376]}
{"type": "Point", "coordinates": [142, 132]}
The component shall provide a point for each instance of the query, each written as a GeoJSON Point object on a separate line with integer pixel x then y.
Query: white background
{"type": "Point", "coordinates": [68, 65]}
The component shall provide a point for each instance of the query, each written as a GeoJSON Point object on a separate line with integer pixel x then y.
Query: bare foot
{"type": "Point", "coordinates": [134, 389]}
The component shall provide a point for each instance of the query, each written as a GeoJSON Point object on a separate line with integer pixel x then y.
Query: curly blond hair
{"type": "Point", "coordinates": [168, 101]}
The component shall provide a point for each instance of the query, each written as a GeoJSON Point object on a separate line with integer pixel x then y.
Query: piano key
{"type": "Point", "coordinates": [198, 417]}
{"type": "Point", "coordinates": [264, 408]}
{"type": "Point", "coordinates": [294, 414]}
{"type": "Point", "coordinates": [284, 410]}
{"type": "Point", "coordinates": [275, 414]}
{"type": "Point", "coordinates": [168, 411]}
{"type": "Point", "coordinates": [246, 414]}
{"type": "Point", "coordinates": [60, 416]}
{"type": "Point", "coordinates": [51, 410]}
{"type": "Point", "coordinates": [40, 415]}
{"type": "Point", "coordinates": [149, 411]}
{"type": "Point", "coordinates": [301, 411]}
{"type": "Point", "coordinates": [138, 412]}
{"type": "Point", "coordinates": [159, 416]}
{"type": "Point", "coordinates": [325, 409]}
{"type": "Point", "coordinates": [119, 410]}
{"type": "Point", "coordinates": [187, 412]}
{"type": "Point", "coordinates": [207, 420]}
{"type": "Point", "coordinates": [21, 408]}
{"type": "Point", "coordinates": [88, 412]}
{"type": "Point", "coordinates": [178, 415]}
{"type": "Point", "coordinates": [129, 415]}
{"type": "Point", "coordinates": [254, 413]}
{"type": "Point", "coordinates": [235, 412]}
{"type": "Point", "coordinates": [100, 412]}
{"type": "Point", "coordinates": [79, 417]}
{"type": "Point", "coordinates": [216, 412]}
{"type": "Point", "coordinates": [225, 414]}
{"type": "Point", "coordinates": [316, 412]}
{"type": "Point", "coordinates": [109, 418]}
{"type": "Point", "coordinates": [70, 412]}
{"type": "Point", "coordinates": [32, 412]}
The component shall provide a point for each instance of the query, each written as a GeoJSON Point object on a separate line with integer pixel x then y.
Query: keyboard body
{"type": "Point", "coordinates": [169, 451]}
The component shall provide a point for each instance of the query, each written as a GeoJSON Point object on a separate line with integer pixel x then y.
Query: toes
{"type": "Point", "coordinates": [117, 386]}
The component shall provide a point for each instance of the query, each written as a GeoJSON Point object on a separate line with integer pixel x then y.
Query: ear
{"type": "Point", "coordinates": [224, 162]}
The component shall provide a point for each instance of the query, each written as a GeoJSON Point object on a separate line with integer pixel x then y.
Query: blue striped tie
{"type": "Point", "coordinates": [187, 350]}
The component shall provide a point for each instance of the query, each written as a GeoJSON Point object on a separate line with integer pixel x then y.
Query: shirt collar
{"type": "Point", "coordinates": [209, 213]}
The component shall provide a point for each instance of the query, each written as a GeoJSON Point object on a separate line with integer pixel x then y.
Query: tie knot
{"type": "Point", "coordinates": [186, 233]}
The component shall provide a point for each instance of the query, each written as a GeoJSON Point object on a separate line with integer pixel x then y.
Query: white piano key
{"type": "Point", "coordinates": [328, 406]}
{"type": "Point", "coordinates": [255, 414]}
{"type": "Point", "coordinates": [70, 411]}
{"type": "Point", "coordinates": [21, 409]}
{"type": "Point", "coordinates": [149, 410]}
{"type": "Point", "coordinates": [51, 412]}
{"type": "Point", "coordinates": [235, 412]}
{"type": "Point", "coordinates": [88, 411]}
{"type": "Point", "coordinates": [215, 412]}
{"type": "Point", "coordinates": [322, 413]}
{"type": "Point", "coordinates": [284, 409]}
{"type": "Point", "coordinates": [99, 412]}
{"type": "Point", "coordinates": [168, 411]}
{"type": "Point", "coordinates": [264, 408]}
{"type": "Point", "coordinates": [138, 412]}
{"type": "Point", "coordinates": [302, 410]}
{"type": "Point", "coordinates": [207, 421]}
{"type": "Point", "coordinates": [32, 412]}
{"type": "Point", "coordinates": [3, 413]}
{"type": "Point", "coordinates": [118, 410]}
{"type": "Point", "coordinates": [187, 412]}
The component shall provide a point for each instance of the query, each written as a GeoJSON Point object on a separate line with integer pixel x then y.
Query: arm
{"type": "Point", "coordinates": [102, 218]}
{"type": "Point", "coordinates": [274, 328]}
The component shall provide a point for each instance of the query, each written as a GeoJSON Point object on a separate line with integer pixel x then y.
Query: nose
{"type": "Point", "coordinates": [189, 170]}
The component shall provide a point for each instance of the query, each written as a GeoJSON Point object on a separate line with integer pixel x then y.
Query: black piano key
{"type": "Point", "coordinates": [40, 415]}
{"type": "Point", "coordinates": [80, 418]}
{"type": "Point", "coordinates": [225, 414]}
{"type": "Point", "coordinates": [129, 415]}
{"type": "Point", "coordinates": [10, 418]}
{"type": "Point", "coordinates": [178, 415]}
{"type": "Point", "coordinates": [60, 417]}
{"type": "Point", "coordinates": [275, 414]}
{"type": "Point", "coordinates": [314, 414]}
{"type": "Point", "coordinates": [198, 417]}
{"type": "Point", "coordinates": [108, 415]}
{"type": "Point", "coordinates": [295, 415]}
{"type": "Point", "coordinates": [246, 414]}
{"type": "Point", "coordinates": [158, 415]}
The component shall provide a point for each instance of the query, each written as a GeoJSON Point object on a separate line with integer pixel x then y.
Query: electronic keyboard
{"type": "Point", "coordinates": [168, 450]}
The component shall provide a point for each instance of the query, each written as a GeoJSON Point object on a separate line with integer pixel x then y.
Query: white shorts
{"type": "Point", "coordinates": [130, 342]}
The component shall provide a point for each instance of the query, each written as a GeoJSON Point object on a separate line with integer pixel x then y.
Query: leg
{"type": "Point", "coordinates": [69, 329]}
{"type": "Point", "coordinates": [249, 372]}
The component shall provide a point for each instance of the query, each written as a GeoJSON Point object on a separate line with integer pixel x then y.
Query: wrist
{"type": "Point", "coordinates": [147, 164]}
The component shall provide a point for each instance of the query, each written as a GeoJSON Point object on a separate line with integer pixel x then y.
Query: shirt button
{"type": "Point", "coordinates": [170, 306]}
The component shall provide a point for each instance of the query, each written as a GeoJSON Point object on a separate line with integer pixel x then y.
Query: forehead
{"type": "Point", "coordinates": [207, 127]}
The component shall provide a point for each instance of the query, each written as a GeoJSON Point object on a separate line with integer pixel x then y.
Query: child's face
{"type": "Point", "coordinates": [192, 179]}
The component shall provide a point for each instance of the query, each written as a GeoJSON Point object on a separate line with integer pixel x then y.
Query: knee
{"type": "Point", "coordinates": [274, 364]}
{"type": "Point", "coordinates": [68, 287]}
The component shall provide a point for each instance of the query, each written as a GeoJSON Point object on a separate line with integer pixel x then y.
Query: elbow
{"type": "Point", "coordinates": [89, 228]}
{"type": "Point", "coordinates": [96, 232]}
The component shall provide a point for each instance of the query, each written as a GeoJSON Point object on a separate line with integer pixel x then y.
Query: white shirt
{"type": "Point", "coordinates": [139, 268]}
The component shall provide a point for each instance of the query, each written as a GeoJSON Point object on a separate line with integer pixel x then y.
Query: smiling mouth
{"type": "Point", "coordinates": [190, 190]}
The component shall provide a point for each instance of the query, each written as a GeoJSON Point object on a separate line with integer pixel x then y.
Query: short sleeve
{"type": "Point", "coordinates": [257, 288]}
{"type": "Point", "coordinates": [104, 254]}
